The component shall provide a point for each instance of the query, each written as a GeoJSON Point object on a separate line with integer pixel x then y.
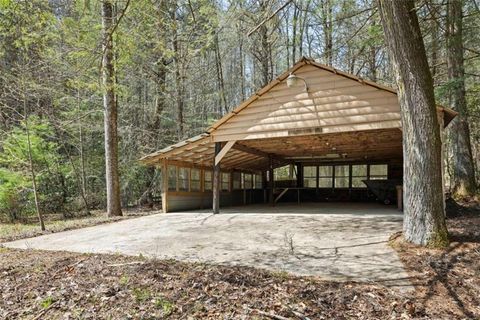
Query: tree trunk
{"type": "Point", "coordinates": [160, 71]}
{"type": "Point", "coordinates": [110, 113]}
{"type": "Point", "coordinates": [242, 69]}
{"type": "Point", "coordinates": [221, 84]}
{"type": "Point", "coordinates": [178, 77]}
{"type": "Point", "coordinates": [83, 174]}
{"type": "Point", "coordinates": [424, 218]}
{"type": "Point", "coordinates": [434, 41]}
{"type": "Point", "coordinates": [327, 18]}
{"type": "Point", "coordinates": [463, 168]}
{"type": "Point", "coordinates": [294, 34]}
{"type": "Point", "coordinates": [265, 60]}
{"type": "Point", "coordinates": [372, 61]}
{"type": "Point", "coordinates": [30, 159]}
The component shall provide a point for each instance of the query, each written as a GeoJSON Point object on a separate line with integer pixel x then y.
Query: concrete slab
{"type": "Point", "coordinates": [331, 240]}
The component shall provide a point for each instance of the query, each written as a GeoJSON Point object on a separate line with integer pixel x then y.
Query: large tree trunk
{"type": "Point", "coordinates": [463, 167]}
{"type": "Point", "coordinates": [110, 113]}
{"type": "Point", "coordinates": [424, 218]}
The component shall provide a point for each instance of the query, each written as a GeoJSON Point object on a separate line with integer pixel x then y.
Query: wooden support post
{"type": "Point", "coordinates": [399, 197]}
{"type": "Point", "coordinates": [216, 180]}
{"type": "Point", "coordinates": [350, 173]}
{"type": "Point", "coordinates": [271, 182]}
{"type": "Point", "coordinates": [164, 169]}
{"type": "Point", "coordinates": [264, 186]}
{"type": "Point", "coordinates": [333, 178]}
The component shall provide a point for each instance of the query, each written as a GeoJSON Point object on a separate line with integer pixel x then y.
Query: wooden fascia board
{"type": "Point", "coordinates": [351, 76]}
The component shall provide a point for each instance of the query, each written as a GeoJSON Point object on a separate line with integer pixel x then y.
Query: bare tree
{"type": "Point", "coordinates": [179, 81]}
{"type": "Point", "coordinates": [29, 153]}
{"type": "Point", "coordinates": [424, 221]}
{"type": "Point", "coordinates": [463, 167]}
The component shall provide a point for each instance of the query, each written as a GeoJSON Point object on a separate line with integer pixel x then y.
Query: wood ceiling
{"type": "Point", "coordinates": [253, 155]}
{"type": "Point", "coordinates": [346, 146]}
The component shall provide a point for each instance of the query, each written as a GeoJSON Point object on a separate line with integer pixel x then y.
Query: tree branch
{"type": "Point", "coordinates": [268, 18]}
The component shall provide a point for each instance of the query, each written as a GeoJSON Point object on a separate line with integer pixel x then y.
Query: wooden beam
{"type": "Point", "coordinates": [216, 180]}
{"type": "Point", "coordinates": [187, 164]}
{"type": "Point", "coordinates": [219, 156]}
{"type": "Point", "coordinates": [254, 151]}
{"type": "Point", "coordinates": [244, 148]}
{"type": "Point", "coordinates": [281, 194]}
{"type": "Point", "coordinates": [240, 160]}
{"type": "Point", "coordinates": [164, 186]}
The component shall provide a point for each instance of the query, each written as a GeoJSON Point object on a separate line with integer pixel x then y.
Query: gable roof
{"type": "Point", "coordinates": [255, 115]}
{"type": "Point", "coordinates": [326, 83]}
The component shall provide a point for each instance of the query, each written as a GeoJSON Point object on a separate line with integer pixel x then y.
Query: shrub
{"type": "Point", "coordinates": [13, 195]}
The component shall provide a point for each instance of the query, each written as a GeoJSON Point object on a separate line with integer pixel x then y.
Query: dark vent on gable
{"type": "Point", "coordinates": [300, 132]}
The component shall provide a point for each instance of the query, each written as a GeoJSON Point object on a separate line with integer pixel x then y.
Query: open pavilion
{"type": "Point", "coordinates": [313, 134]}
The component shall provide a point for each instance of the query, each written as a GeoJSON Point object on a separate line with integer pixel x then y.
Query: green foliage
{"type": "Point", "coordinates": [166, 306]}
{"type": "Point", "coordinates": [168, 55]}
{"type": "Point", "coordinates": [15, 147]}
{"type": "Point", "coordinates": [47, 302]}
{"type": "Point", "coordinates": [124, 280]}
{"type": "Point", "coordinates": [34, 27]}
{"type": "Point", "coordinates": [141, 294]}
{"type": "Point", "coordinates": [13, 194]}
{"type": "Point", "coordinates": [15, 173]}
{"type": "Point", "coordinates": [375, 35]}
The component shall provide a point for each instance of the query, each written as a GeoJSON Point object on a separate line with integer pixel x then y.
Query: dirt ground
{"type": "Point", "coordinates": [58, 285]}
{"type": "Point", "coordinates": [56, 223]}
{"type": "Point", "coordinates": [447, 281]}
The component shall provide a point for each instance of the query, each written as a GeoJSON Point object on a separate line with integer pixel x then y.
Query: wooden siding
{"type": "Point", "coordinates": [178, 201]}
{"type": "Point", "coordinates": [333, 103]}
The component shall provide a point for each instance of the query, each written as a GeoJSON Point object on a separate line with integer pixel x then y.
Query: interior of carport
{"type": "Point", "coordinates": [296, 169]}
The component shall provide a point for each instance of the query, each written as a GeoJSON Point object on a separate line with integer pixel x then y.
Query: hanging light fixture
{"type": "Point", "coordinates": [292, 80]}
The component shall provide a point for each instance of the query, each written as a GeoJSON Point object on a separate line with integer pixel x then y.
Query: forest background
{"type": "Point", "coordinates": [179, 66]}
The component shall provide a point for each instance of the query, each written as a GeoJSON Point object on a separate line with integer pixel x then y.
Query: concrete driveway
{"type": "Point", "coordinates": [331, 240]}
